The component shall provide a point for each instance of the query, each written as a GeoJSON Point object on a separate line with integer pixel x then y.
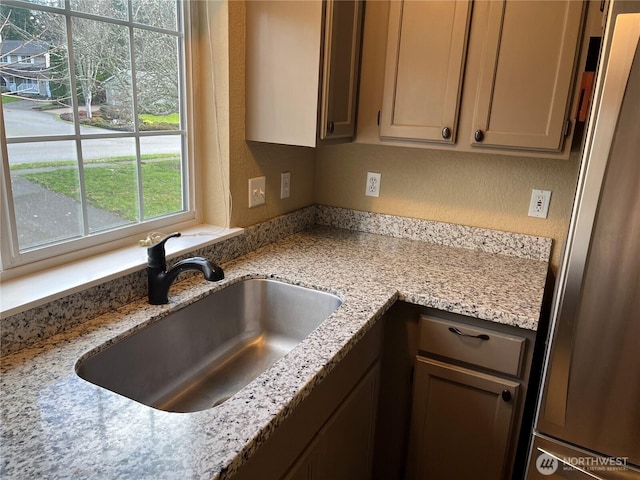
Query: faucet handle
{"type": "Point", "coordinates": [156, 257]}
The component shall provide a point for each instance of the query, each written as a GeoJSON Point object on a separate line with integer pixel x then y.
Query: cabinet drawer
{"type": "Point", "coordinates": [475, 345]}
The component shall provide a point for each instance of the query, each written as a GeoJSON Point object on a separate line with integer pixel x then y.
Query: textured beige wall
{"type": "Point", "coordinates": [255, 159]}
{"type": "Point", "coordinates": [209, 44]}
{"type": "Point", "coordinates": [228, 169]}
{"type": "Point", "coordinates": [490, 191]}
{"type": "Point", "coordinates": [485, 190]}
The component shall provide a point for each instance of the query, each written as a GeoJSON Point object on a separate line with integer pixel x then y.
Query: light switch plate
{"type": "Point", "coordinates": [257, 195]}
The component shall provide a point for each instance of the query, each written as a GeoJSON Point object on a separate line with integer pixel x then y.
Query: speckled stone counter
{"type": "Point", "coordinates": [56, 425]}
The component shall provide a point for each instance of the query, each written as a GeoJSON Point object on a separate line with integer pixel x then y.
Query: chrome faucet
{"type": "Point", "coordinates": [160, 280]}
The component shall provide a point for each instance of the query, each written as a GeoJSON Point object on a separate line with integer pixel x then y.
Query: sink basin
{"type": "Point", "coordinates": [197, 357]}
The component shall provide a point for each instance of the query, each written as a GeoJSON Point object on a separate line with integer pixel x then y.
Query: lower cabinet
{"type": "Point", "coordinates": [459, 415]}
{"type": "Point", "coordinates": [306, 466]}
{"type": "Point", "coordinates": [469, 388]}
{"type": "Point", "coordinates": [461, 422]}
{"type": "Point", "coordinates": [343, 448]}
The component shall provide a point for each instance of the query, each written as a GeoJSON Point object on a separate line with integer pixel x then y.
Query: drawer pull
{"type": "Point", "coordinates": [482, 336]}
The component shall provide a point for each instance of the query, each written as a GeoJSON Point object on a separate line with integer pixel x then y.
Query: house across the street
{"type": "Point", "coordinates": [25, 67]}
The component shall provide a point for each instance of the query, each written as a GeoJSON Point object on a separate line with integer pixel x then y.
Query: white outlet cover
{"type": "Point", "coordinates": [257, 192]}
{"type": "Point", "coordinates": [285, 185]}
{"type": "Point", "coordinates": [539, 204]}
{"type": "Point", "coordinates": [373, 184]}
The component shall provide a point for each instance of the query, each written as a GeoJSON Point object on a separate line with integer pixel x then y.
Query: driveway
{"type": "Point", "coordinates": [22, 120]}
{"type": "Point", "coordinates": [43, 216]}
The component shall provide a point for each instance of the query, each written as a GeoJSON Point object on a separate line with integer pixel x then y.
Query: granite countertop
{"type": "Point", "coordinates": [56, 425]}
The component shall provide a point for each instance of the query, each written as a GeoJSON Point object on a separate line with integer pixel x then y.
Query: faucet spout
{"type": "Point", "coordinates": [210, 270]}
{"type": "Point", "coordinates": [160, 280]}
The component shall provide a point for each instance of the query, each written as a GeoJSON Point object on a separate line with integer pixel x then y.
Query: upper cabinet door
{"type": "Point", "coordinates": [302, 61]}
{"type": "Point", "coordinates": [342, 35]}
{"type": "Point", "coordinates": [426, 48]}
{"type": "Point", "coordinates": [526, 74]}
{"type": "Point", "coordinates": [283, 53]}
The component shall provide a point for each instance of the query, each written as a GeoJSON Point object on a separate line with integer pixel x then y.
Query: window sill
{"type": "Point", "coordinates": [20, 294]}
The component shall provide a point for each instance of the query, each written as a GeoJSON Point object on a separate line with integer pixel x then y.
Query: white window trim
{"type": "Point", "coordinates": [14, 264]}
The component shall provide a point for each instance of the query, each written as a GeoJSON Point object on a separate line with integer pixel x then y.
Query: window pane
{"type": "Point", "coordinates": [111, 183]}
{"type": "Point", "coordinates": [48, 3]}
{"type": "Point", "coordinates": [105, 8]}
{"type": "Point", "coordinates": [159, 13]}
{"type": "Point", "coordinates": [46, 194]}
{"type": "Point", "coordinates": [34, 69]}
{"type": "Point", "coordinates": [124, 81]}
{"type": "Point", "coordinates": [103, 75]}
{"type": "Point", "coordinates": [24, 118]}
{"type": "Point", "coordinates": [156, 58]}
{"type": "Point", "coordinates": [162, 176]}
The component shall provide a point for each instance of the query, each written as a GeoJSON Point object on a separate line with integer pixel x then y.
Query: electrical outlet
{"type": "Point", "coordinates": [257, 195]}
{"type": "Point", "coordinates": [539, 205]}
{"type": "Point", "coordinates": [373, 184]}
{"type": "Point", "coordinates": [285, 184]}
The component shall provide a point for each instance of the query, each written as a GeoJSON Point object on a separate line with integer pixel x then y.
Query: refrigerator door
{"type": "Point", "coordinates": [591, 391]}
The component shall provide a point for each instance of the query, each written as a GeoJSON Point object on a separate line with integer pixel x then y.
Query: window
{"type": "Point", "coordinates": [95, 132]}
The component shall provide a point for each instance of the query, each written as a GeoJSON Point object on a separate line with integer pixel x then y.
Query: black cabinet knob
{"type": "Point", "coordinates": [506, 395]}
{"type": "Point", "coordinates": [478, 135]}
{"type": "Point", "coordinates": [331, 127]}
{"type": "Point", "coordinates": [446, 132]}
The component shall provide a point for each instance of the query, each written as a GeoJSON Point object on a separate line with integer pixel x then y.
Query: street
{"type": "Point", "coordinates": [22, 120]}
{"type": "Point", "coordinates": [43, 216]}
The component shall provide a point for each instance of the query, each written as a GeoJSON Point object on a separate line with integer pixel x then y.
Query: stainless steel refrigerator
{"type": "Point", "coordinates": [588, 418]}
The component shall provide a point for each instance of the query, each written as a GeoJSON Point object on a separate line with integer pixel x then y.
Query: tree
{"type": "Point", "coordinates": [101, 51]}
{"type": "Point", "coordinates": [17, 23]}
{"type": "Point", "coordinates": [156, 57]}
{"type": "Point", "coordinates": [98, 48]}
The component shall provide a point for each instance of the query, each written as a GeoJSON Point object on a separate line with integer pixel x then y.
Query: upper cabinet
{"type": "Point", "coordinates": [426, 49]}
{"type": "Point", "coordinates": [471, 75]}
{"type": "Point", "coordinates": [526, 74]}
{"type": "Point", "coordinates": [302, 61]}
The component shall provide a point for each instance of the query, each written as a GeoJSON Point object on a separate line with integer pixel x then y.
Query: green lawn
{"type": "Point", "coordinates": [173, 118]}
{"type": "Point", "coordinates": [161, 185]}
{"type": "Point", "coordinates": [10, 98]}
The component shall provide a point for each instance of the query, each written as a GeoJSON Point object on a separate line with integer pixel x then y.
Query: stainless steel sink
{"type": "Point", "coordinates": [199, 356]}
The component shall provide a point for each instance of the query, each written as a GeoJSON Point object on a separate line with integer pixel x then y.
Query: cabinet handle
{"type": "Point", "coordinates": [478, 135]}
{"type": "Point", "coordinates": [331, 127]}
{"type": "Point", "coordinates": [482, 336]}
{"type": "Point", "coordinates": [506, 395]}
{"type": "Point", "coordinates": [446, 132]}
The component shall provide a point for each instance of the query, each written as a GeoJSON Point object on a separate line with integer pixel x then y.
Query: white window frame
{"type": "Point", "coordinates": [12, 261]}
